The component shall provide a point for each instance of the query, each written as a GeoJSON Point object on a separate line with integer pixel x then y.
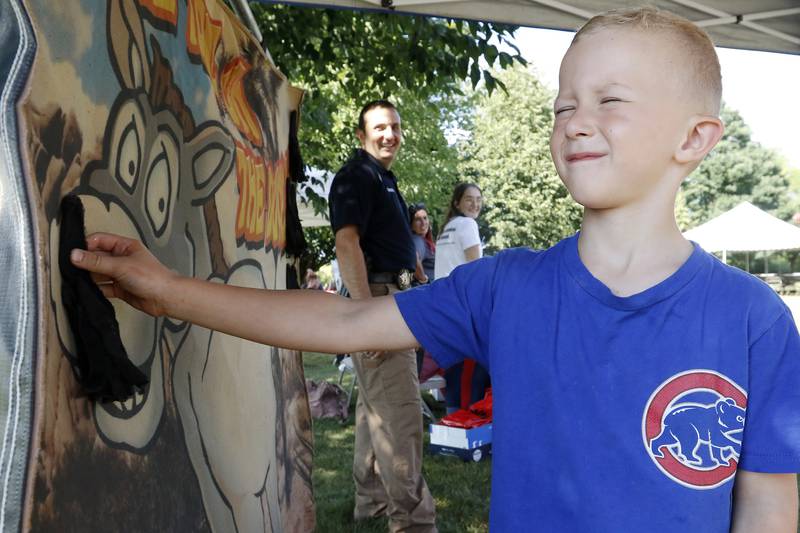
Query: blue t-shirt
{"type": "Point", "coordinates": [612, 413]}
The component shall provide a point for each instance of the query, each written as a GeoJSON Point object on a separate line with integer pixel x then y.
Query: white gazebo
{"type": "Point", "coordinates": [745, 228]}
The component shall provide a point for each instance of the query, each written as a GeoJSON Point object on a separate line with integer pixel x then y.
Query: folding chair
{"type": "Point", "coordinates": [434, 383]}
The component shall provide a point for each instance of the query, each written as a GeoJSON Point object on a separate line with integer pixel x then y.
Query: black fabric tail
{"type": "Point", "coordinates": [295, 240]}
{"type": "Point", "coordinates": [100, 364]}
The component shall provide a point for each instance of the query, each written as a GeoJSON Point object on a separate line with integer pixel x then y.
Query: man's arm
{"type": "Point", "coordinates": [351, 262]}
{"type": "Point", "coordinates": [764, 502]}
{"type": "Point", "coordinates": [125, 269]}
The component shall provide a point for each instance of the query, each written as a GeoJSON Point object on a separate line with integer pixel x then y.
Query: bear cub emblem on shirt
{"type": "Point", "coordinates": [692, 428]}
{"type": "Point", "coordinates": [687, 427]}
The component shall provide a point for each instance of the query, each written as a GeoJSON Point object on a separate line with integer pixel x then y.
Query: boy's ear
{"type": "Point", "coordinates": [703, 134]}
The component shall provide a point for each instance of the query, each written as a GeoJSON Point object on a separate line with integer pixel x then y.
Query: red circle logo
{"type": "Point", "coordinates": [692, 428]}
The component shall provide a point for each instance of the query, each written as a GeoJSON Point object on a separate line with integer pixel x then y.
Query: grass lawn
{"type": "Point", "coordinates": [461, 490]}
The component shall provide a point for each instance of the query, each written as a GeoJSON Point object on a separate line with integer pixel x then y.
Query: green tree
{"type": "Point", "coordinates": [793, 174]}
{"type": "Point", "coordinates": [507, 153]}
{"type": "Point", "coordinates": [427, 166]}
{"type": "Point", "coordinates": [343, 59]}
{"type": "Point", "coordinates": [738, 169]}
{"type": "Point", "coordinates": [321, 241]}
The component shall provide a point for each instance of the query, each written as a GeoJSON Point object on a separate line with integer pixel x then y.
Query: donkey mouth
{"type": "Point", "coordinates": [130, 407]}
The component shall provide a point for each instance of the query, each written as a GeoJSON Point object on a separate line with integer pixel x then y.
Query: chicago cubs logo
{"type": "Point", "coordinates": [692, 428]}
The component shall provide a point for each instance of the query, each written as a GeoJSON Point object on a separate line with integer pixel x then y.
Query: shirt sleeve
{"type": "Point", "coordinates": [772, 423]}
{"type": "Point", "coordinates": [419, 246]}
{"type": "Point", "coordinates": [468, 234]}
{"type": "Point", "coordinates": [451, 317]}
{"type": "Point", "coordinates": [350, 199]}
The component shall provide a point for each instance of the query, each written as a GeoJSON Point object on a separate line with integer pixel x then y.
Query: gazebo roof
{"type": "Point", "coordinates": [745, 228]}
{"type": "Point", "coordinates": [768, 25]}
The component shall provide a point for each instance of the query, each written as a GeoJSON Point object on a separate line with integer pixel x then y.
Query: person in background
{"type": "Point", "coordinates": [312, 280]}
{"type": "Point", "coordinates": [426, 255]}
{"type": "Point", "coordinates": [459, 243]}
{"type": "Point", "coordinates": [423, 242]}
{"type": "Point", "coordinates": [376, 257]}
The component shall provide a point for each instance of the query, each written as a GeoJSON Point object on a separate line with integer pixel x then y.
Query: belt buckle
{"type": "Point", "coordinates": [404, 278]}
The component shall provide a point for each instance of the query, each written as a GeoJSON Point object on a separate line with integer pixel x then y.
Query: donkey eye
{"type": "Point", "coordinates": [129, 156]}
{"type": "Point", "coordinates": [161, 185]}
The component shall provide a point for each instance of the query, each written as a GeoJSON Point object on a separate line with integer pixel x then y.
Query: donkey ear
{"type": "Point", "coordinates": [211, 157]}
{"type": "Point", "coordinates": [127, 46]}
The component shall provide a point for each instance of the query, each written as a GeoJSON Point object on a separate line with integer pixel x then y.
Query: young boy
{"type": "Point", "coordinates": [639, 383]}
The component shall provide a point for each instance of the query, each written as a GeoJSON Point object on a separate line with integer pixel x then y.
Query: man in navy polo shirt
{"type": "Point", "coordinates": [376, 256]}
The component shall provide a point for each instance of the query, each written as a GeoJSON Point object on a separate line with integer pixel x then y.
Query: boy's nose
{"type": "Point", "coordinates": [579, 125]}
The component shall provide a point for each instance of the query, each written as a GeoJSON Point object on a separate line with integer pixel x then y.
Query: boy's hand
{"type": "Point", "coordinates": [124, 268]}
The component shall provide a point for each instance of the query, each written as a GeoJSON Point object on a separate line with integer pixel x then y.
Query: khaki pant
{"type": "Point", "coordinates": [387, 465]}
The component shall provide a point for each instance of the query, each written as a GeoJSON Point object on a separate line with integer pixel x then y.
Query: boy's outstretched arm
{"type": "Point", "coordinates": [764, 502]}
{"type": "Point", "coordinates": [124, 268]}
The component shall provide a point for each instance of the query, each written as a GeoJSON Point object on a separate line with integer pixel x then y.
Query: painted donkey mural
{"type": "Point", "coordinates": [159, 171]}
{"type": "Point", "coordinates": [162, 176]}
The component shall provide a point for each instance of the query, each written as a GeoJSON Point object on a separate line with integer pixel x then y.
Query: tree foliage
{"type": "Point", "coordinates": [321, 241]}
{"type": "Point", "coordinates": [342, 59]}
{"type": "Point", "coordinates": [345, 58]}
{"type": "Point", "coordinates": [378, 54]}
{"type": "Point", "coordinates": [738, 169]}
{"type": "Point", "coordinates": [508, 155]}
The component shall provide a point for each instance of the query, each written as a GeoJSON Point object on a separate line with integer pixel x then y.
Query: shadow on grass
{"type": "Point", "coordinates": [461, 489]}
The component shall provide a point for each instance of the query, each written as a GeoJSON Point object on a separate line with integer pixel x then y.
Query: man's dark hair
{"type": "Point", "coordinates": [369, 106]}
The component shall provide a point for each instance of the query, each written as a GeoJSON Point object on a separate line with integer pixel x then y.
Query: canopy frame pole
{"type": "Point", "coordinates": [566, 8]}
{"type": "Point", "coordinates": [748, 17]}
{"type": "Point", "coordinates": [738, 20]}
{"type": "Point", "coordinates": [403, 3]}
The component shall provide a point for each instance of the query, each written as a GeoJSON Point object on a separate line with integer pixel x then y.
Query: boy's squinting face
{"type": "Point", "coordinates": [619, 117]}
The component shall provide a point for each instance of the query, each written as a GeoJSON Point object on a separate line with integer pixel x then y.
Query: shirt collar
{"type": "Point", "coordinates": [363, 154]}
{"type": "Point", "coordinates": [660, 291]}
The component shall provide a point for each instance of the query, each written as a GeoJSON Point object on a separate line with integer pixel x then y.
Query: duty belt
{"type": "Point", "coordinates": [402, 278]}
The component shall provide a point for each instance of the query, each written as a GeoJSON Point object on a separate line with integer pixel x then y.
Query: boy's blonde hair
{"type": "Point", "coordinates": [703, 79]}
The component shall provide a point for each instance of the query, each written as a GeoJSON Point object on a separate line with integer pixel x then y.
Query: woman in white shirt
{"type": "Point", "coordinates": [459, 243]}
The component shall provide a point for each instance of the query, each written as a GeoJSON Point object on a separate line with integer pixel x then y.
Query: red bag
{"type": "Point", "coordinates": [483, 407]}
{"type": "Point", "coordinates": [464, 419]}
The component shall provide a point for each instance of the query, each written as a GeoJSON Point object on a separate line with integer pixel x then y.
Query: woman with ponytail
{"type": "Point", "coordinates": [459, 243]}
